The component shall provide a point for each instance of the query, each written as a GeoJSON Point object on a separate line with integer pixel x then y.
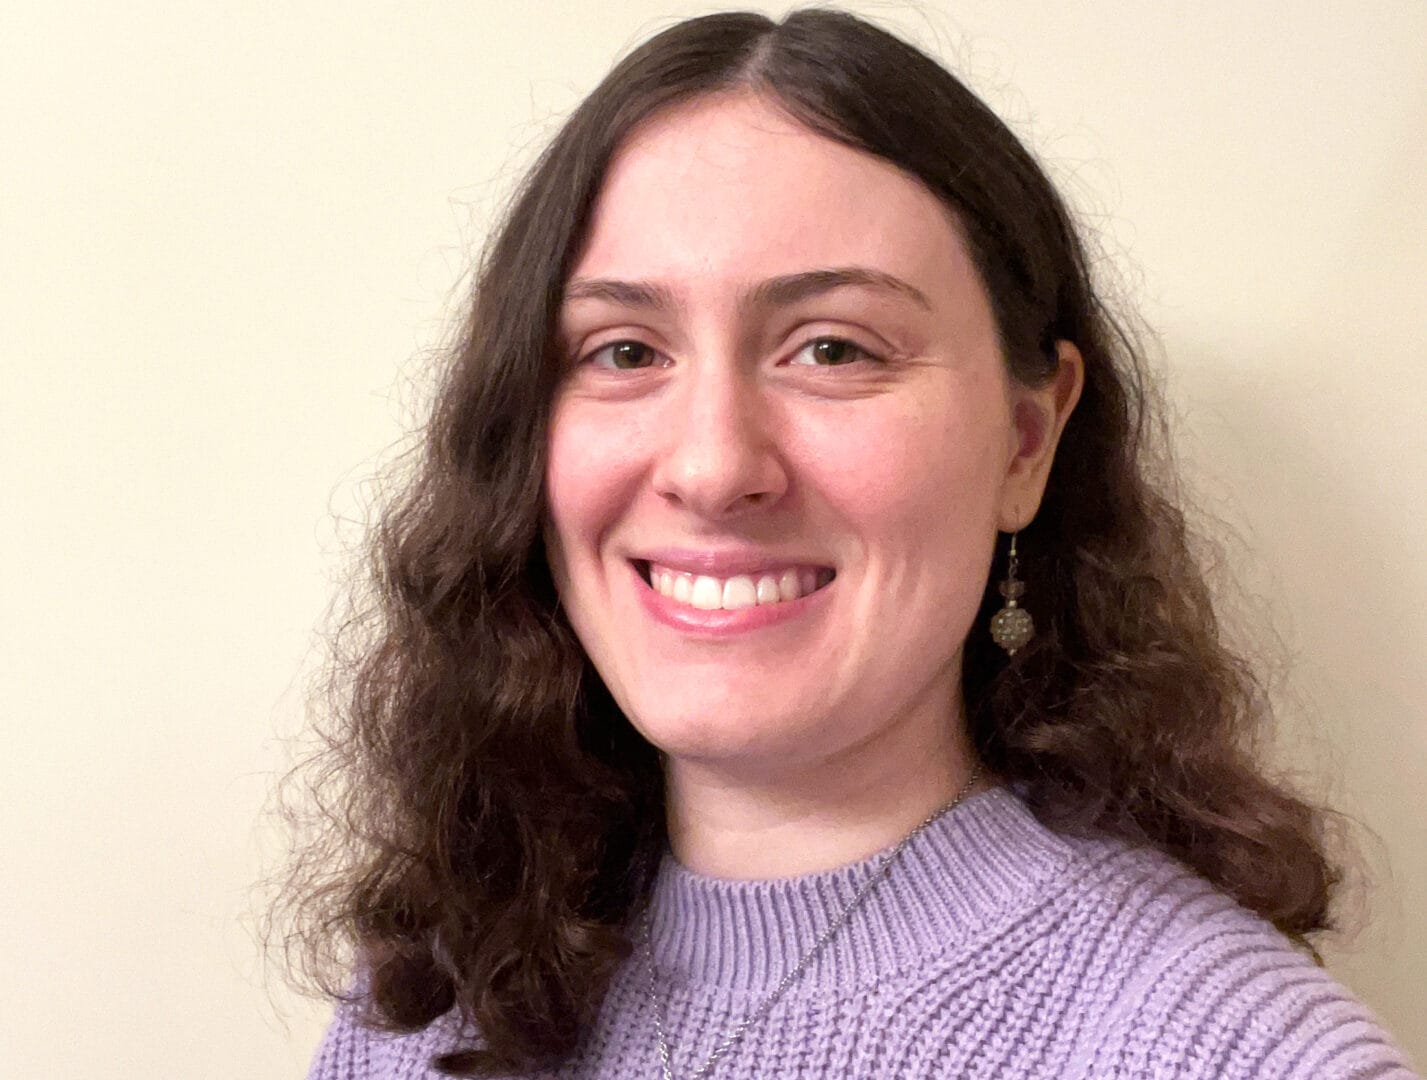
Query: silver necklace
{"type": "Point", "coordinates": [877, 876]}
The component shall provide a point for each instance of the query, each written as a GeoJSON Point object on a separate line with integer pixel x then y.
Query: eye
{"type": "Point", "coordinates": [623, 356]}
{"type": "Point", "coordinates": [832, 352]}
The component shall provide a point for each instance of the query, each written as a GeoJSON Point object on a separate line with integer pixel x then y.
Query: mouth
{"type": "Point", "coordinates": [768, 587]}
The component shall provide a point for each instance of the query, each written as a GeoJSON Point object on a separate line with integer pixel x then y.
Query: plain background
{"type": "Point", "coordinates": [232, 233]}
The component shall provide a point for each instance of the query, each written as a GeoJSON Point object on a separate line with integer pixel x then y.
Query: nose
{"type": "Point", "coordinates": [720, 455]}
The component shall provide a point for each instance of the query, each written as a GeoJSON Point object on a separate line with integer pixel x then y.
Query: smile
{"type": "Point", "coordinates": [765, 588]}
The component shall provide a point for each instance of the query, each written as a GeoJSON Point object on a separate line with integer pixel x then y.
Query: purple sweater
{"type": "Point", "coordinates": [996, 948]}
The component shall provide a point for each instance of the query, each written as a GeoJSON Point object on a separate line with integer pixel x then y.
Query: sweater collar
{"type": "Point", "coordinates": [983, 859]}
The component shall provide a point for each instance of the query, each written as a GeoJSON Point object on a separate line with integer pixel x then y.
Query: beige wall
{"type": "Point", "coordinates": [227, 230]}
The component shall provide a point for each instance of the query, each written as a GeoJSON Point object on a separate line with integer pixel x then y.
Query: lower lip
{"type": "Point", "coordinates": [718, 622]}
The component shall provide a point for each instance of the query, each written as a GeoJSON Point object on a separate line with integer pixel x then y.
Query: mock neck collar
{"type": "Point", "coordinates": [982, 859]}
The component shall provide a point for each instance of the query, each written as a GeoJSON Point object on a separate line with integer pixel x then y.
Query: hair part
{"type": "Point", "coordinates": [494, 822]}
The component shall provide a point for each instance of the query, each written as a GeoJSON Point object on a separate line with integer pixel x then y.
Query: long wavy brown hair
{"type": "Point", "coordinates": [492, 820]}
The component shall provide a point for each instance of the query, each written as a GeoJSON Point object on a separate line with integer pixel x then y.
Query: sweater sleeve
{"type": "Point", "coordinates": [1242, 1004]}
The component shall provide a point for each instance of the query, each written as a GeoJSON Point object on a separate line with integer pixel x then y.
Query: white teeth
{"type": "Point", "coordinates": [707, 594]}
{"type": "Point", "coordinates": [789, 588]}
{"type": "Point", "coordinates": [740, 591]}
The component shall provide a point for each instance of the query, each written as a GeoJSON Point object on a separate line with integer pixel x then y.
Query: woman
{"type": "Point", "coordinates": [789, 663]}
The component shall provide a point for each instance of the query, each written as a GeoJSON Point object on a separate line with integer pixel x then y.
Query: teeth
{"type": "Point", "coordinates": [738, 592]}
{"type": "Point", "coordinates": [707, 594]}
{"type": "Point", "coordinates": [789, 585]}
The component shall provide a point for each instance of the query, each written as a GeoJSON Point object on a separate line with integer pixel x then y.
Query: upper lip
{"type": "Point", "coordinates": [727, 562]}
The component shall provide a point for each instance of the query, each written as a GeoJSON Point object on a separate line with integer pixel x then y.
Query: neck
{"type": "Point", "coordinates": [728, 822]}
{"type": "Point", "coordinates": [956, 880]}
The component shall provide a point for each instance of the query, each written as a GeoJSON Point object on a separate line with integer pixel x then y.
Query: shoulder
{"type": "Point", "coordinates": [1181, 981]}
{"type": "Point", "coordinates": [352, 1049]}
{"type": "Point", "coordinates": [344, 1050]}
{"type": "Point", "coordinates": [1096, 959]}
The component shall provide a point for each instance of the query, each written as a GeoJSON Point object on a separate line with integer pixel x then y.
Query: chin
{"type": "Point", "coordinates": [718, 733]}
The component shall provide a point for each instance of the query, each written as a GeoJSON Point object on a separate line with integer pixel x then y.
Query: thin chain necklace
{"type": "Point", "coordinates": [874, 879]}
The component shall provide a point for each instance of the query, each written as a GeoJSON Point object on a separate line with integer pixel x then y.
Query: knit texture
{"type": "Point", "coordinates": [996, 948]}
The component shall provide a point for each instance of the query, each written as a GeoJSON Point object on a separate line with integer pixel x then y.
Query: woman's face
{"type": "Point", "coordinates": [784, 445]}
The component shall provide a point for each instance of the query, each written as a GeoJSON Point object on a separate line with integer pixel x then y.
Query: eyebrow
{"type": "Point", "coordinates": [775, 292]}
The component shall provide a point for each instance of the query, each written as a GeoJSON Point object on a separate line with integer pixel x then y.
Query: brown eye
{"type": "Point", "coordinates": [832, 352]}
{"type": "Point", "coordinates": [623, 355]}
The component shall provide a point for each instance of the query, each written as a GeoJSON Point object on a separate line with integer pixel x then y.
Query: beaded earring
{"type": "Point", "coordinates": [1012, 627]}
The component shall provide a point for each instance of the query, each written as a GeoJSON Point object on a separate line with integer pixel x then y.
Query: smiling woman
{"type": "Point", "coordinates": [684, 746]}
{"type": "Point", "coordinates": [805, 388]}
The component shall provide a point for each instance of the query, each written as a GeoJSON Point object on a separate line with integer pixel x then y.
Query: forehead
{"type": "Point", "coordinates": [732, 188]}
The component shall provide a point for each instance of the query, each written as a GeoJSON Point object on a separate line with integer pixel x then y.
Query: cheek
{"type": "Point", "coordinates": [588, 470]}
{"type": "Point", "coordinates": [916, 470]}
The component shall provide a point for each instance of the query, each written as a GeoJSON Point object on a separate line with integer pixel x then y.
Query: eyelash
{"type": "Point", "coordinates": [866, 354]}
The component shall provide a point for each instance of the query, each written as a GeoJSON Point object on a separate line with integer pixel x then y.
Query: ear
{"type": "Point", "coordinates": [1038, 416]}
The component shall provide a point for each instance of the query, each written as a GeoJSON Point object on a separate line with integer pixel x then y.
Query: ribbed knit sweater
{"type": "Point", "coordinates": [995, 948]}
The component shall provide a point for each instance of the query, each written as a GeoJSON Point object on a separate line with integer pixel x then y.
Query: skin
{"type": "Point", "coordinates": [824, 738]}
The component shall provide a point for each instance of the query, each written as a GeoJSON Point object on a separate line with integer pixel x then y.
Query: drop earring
{"type": "Point", "coordinates": [1012, 627]}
